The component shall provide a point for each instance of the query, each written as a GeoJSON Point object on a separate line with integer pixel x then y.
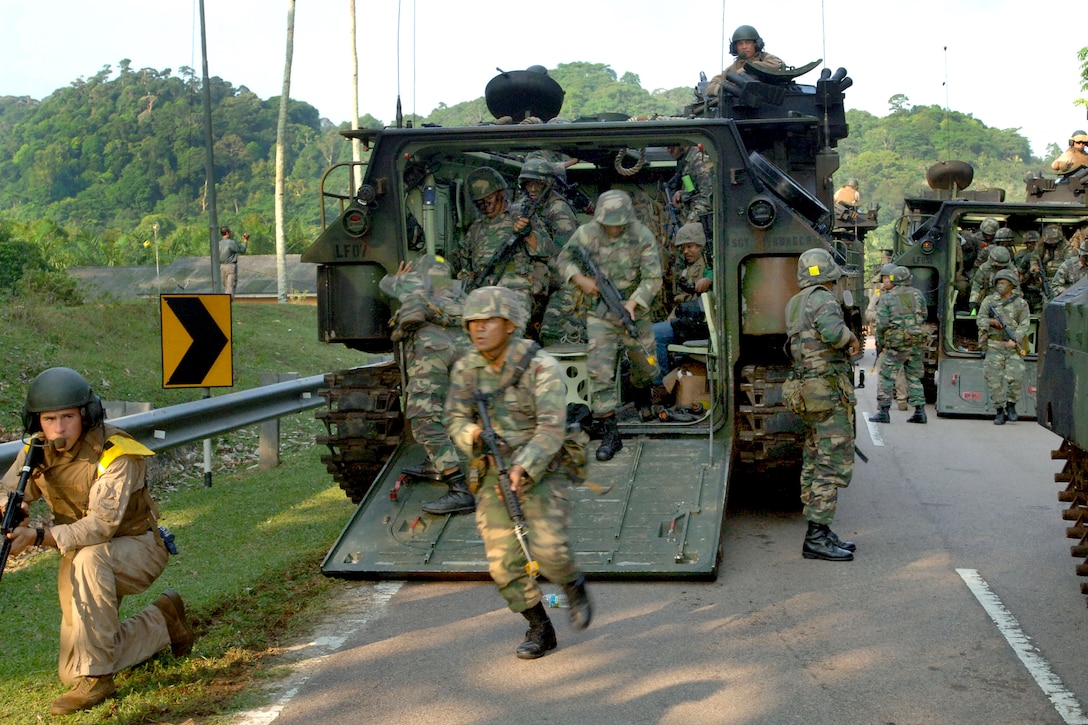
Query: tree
{"type": "Point", "coordinates": [281, 132]}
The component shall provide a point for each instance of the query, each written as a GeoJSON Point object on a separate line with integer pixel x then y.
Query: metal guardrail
{"type": "Point", "coordinates": [177, 425]}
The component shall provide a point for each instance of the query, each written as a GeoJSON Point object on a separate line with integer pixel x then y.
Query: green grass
{"type": "Point", "coordinates": [250, 545]}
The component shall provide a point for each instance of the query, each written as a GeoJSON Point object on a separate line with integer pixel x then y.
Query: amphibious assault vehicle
{"type": "Point", "coordinates": [657, 508]}
{"type": "Point", "coordinates": [932, 238]}
{"type": "Point", "coordinates": [1063, 377]}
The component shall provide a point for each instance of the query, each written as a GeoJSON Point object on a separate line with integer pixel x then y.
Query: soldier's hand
{"type": "Point", "coordinates": [1010, 344]}
{"type": "Point", "coordinates": [21, 537]}
{"type": "Point", "coordinates": [854, 346]}
{"type": "Point", "coordinates": [630, 306]}
{"type": "Point", "coordinates": [702, 284]}
{"type": "Point", "coordinates": [995, 323]}
{"type": "Point", "coordinates": [517, 475]}
{"type": "Point", "coordinates": [587, 284]}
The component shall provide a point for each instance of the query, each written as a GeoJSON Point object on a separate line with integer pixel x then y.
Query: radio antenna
{"type": "Point", "coordinates": [400, 115]}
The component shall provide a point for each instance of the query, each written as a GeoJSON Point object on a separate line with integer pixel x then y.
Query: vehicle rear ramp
{"type": "Point", "coordinates": [655, 511]}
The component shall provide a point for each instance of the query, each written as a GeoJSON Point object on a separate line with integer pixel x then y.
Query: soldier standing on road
{"type": "Point", "coordinates": [1070, 271]}
{"type": "Point", "coordinates": [822, 346]}
{"type": "Point", "coordinates": [900, 314]}
{"type": "Point", "coordinates": [530, 266]}
{"type": "Point", "coordinates": [94, 478]}
{"type": "Point", "coordinates": [747, 47]}
{"type": "Point", "coordinates": [1004, 368]}
{"type": "Point", "coordinates": [428, 323]}
{"type": "Point", "coordinates": [626, 253]}
{"type": "Point", "coordinates": [229, 249]}
{"type": "Point", "coordinates": [886, 285]}
{"type": "Point", "coordinates": [527, 407]}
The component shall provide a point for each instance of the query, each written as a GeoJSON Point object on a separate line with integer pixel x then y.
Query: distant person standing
{"type": "Point", "coordinates": [229, 249]}
{"type": "Point", "coordinates": [1004, 367]}
{"type": "Point", "coordinates": [900, 314]}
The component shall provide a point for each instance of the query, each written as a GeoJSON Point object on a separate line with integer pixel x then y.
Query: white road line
{"type": "Point", "coordinates": [874, 429]}
{"type": "Point", "coordinates": [321, 647]}
{"type": "Point", "coordinates": [1063, 700]}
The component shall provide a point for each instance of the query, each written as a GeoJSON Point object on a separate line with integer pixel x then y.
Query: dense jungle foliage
{"type": "Point", "coordinates": [96, 171]}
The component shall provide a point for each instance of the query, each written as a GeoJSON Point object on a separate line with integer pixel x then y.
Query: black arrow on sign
{"type": "Point", "coordinates": [208, 341]}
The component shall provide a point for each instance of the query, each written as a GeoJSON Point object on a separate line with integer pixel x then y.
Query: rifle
{"type": "Point", "coordinates": [513, 506]}
{"type": "Point", "coordinates": [575, 196]}
{"type": "Point", "coordinates": [13, 512]}
{"type": "Point", "coordinates": [1021, 343]}
{"type": "Point", "coordinates": [610, 296]}
{"type": "Point", "coordinates": [1048, 295]}
{"type": "Point", "coordinates": [529, 209]}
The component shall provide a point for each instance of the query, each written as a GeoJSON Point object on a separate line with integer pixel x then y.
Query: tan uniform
{"type": "Point", "coordinates": [110, 547]}
{"type": "Point", "coordinates": [848, 196]}
{"type": "Point", "coordinates": [761, 59]}
{"type": "Point", "coordinates": [1070, 160]}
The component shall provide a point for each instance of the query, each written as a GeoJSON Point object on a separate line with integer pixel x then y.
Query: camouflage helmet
{"type": "Point", "coordinates": [852, 183]}
{"type": "Point", "coordinates": [989, 226]}
{"type": "Point", "coordinates": [887, 270]}
{"type": "Point", "coordinates": [537, 170]}
{"type": "Point", "coordinates": [1000, 255]}
{"type": "Point", "coordinates": [901, 276]}
{"type": "Point", "coordinates": [815, 266]}
{"type": "Point", "coordinates": [57, 389]}
{"type": "Point", "coordinates": [1008, 274]}
{"type": "Point", "coordinates": [1004, 236]}
{"type": "Point", "coordinates": [1030, 238]}
{"type": "Point", "coordinates": [614, 208]}
{"type": "Point", "coordinates": [745, 32]}
{"type": "Point", "coordinates": [1052, 235]}
{"type": "Point", "coordinates": [484, 182]}
{"type": "Point", "coordinates": [690, 233]}
{"type": "Point", "coordinates": [484, 303]}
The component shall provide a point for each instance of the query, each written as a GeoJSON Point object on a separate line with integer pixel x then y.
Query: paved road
{"type": "Point", "coordinates": [897, 636]}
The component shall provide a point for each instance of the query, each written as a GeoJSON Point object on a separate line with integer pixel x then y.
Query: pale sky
{"type": "Point", "coordinates": [1009, 63]}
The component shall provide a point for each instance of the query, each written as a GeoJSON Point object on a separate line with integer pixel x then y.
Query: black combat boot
{"type": "Point", "coordinates": [424, 469]}
{"type": "Point", "coordinates": [834, 539]}
{"type": "Point", "coordinates": [458, 500]}
{"type": "Point", "coordinates": [999, 419]}
{"type": "Point", "coordinates": [610, 441]}
{"type": "Point", "coordinates": [818, 545]}
{"type": "Point", "coordinates": [541, 635]}
{"type": "Point", "coordinates": [919, 415]}
{"type": "Point", "coordinates": [882, 416]}
{"type": "Point", "coordinates": [1010, 412]}
{"type": "Point", "coordinates": [581, 609]}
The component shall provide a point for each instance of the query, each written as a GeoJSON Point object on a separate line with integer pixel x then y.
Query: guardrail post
{"type": "Point", "coordinates": [268, 449]}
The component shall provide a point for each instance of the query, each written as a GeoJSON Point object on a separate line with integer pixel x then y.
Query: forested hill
{"type": "Point", "coordinates": [93, 173]}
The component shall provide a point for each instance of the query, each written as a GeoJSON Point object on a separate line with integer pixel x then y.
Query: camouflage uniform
{"type": "Point", "coordinates": [530, 272]}
{"type": "Point", "coordinates": [901, 376]}
{"type": "Point", "coordinates": [564, 318]}
{"type": "Point", "coordinates": [900, 314]}
{"type": "Point", "coordinates": [633, 264]}
{"type": "Point", "coordinates": [429, 324]}
{"type": "Point", "coordinates": [761, 59]}
{"type": "Point", "coordinates": [696, 188]}
{"type": "Point", "coordinates": [1070, 271]}
{"type": "Point", "coordinates": [819, 338]}
{"type": "Point", "coordinates": [1031, 274]}
{"type": "Point", "coordinates": [982, 284]}
{"type": "Point", "coordinates": [690, 233]}
{"type": "Point", "coordinates": [527, 410]}
{"type": "Point", "coordinates": [1004, 368]}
